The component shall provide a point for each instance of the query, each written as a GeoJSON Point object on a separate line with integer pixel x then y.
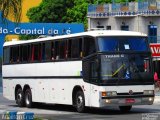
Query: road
{"type": "Point", "coordinates": [63, 112]}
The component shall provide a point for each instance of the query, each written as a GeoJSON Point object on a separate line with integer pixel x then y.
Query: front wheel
{"type": "Point", "coordinates": [80, 102]}
{"type": "Point", "coordinates": [28, 98]}
{"type": "Point", "coordinates": [125, 108]}
{"type": "Point", "coordinates": [20, 98]}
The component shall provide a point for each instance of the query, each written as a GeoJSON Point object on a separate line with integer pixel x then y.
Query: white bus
{"type": "Point", "coordinates": [89, 69]}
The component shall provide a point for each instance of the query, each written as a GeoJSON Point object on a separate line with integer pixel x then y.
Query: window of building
{"type": "Point", "coordinates": [100, 26]}
{"type": "Point", "coordinates": [89, 46]}
{"type": "Point", "coordinates": [152, 33]}
{"type": "Point", "coordinates": [6, 55]}
{"type": "Point", "coordinates": [108, 27]}
{"type": "Point", "coordinates": [125, 27]}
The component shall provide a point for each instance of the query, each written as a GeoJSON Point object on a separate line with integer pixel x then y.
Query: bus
{"type": "Point", "coordinates": [90, 69]}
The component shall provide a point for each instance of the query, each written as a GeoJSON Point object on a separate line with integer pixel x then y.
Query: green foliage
{"type": "Point", "coordinates": [27, 37]}
{"type": "Point", "coordinates": [64, 11]}
{"type": "Point", "coordinates": [102, 1]}
{"type": "Point", "coordinates": [50, 11]}
{"type": "Point", "coordinates": [78, 13]}
{"type": "Point", "coordinates": [38, 119]}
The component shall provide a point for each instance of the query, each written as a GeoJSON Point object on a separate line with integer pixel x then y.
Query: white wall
{"type": "Point", "coordinates": [135, 23]}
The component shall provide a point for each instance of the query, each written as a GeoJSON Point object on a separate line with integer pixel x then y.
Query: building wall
{"type": "Point", "coordinates": [137, 15]}
{"type": "Point", "coordinates": [135, 23]}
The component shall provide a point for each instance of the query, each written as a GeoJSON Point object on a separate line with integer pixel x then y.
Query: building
{"type": "Point", "coordinates": [142, 16]}
{"type": "Point", "coordinates": [133, 16]}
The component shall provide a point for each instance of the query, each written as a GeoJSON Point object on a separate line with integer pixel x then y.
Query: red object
{"type": "Point", "coordinates": [156, 76]}
{"type": "Point", "coordinates": [155, 49]}
{"type": "Point", "coordinates": [32, 58]}
{"type": "Point", "coordinates": [130, 100]}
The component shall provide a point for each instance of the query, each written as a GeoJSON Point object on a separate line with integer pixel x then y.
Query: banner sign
{"type": "Point", "coordinates": [51, 29]}
{"type": "Point", "coordinates": [155, 49]}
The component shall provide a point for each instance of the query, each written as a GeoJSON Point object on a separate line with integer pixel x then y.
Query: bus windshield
{"type": "Point", "coordinates": [126, 69]}
{"type": "Point", "coordinates": [120, 43]}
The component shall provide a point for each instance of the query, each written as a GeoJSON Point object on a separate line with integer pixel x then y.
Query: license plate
{"type": "Point", "coordinates": [129, 100]}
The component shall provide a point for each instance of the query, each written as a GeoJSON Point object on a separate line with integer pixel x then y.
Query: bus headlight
{"type": "Point", "coordinates": [109, 93]}
{"type": "Point", "coordinates": [151, 99]}
{"type": "Point", "coordinates": [148, 92]}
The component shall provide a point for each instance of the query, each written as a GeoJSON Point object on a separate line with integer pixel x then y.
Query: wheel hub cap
{"type": "Point", "coordinates": [79, 101]}
{"type": "Point", "coordinates": [27, 99]}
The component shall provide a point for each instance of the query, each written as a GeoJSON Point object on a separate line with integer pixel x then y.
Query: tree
{"type": "Point", "coordinates": [78, 13]}
{"type": "Point", "coordinates": [65, 11]}
{"type": "Point", "coordinates": [50, 11]}
{"type": "Point", "coordinates": [11, 8]}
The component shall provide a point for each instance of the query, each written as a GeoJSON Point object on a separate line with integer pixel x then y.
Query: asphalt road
{"type": "Point", "coordinates": [63, 112]}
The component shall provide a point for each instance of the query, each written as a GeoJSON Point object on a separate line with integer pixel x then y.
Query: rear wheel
{"type": "Point", "coordinates": [80, 102]}
{"type": "Point", "coordinates": [28, 98]}
{"type": "Point", "coordinates": [125, 108]}
{"type": "Point", "coordinates": [20, 98]}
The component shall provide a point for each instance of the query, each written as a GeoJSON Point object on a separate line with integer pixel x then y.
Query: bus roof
{"type": "Point", "coordinates": [88, 33]}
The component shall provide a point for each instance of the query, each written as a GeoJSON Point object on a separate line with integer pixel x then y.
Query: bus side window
{"type": "Point", "coordinates": [69, 48]}
{"type": "Point", "coordinates": [90, 72]}
{"type": "Point", "coordinates": [94, 73]}
{"type": "Point", "coordinates": [76, 48]}
{"type": "Point", "coordinates": [62, 49]}
{"type": "Point", "coordinates": [43, 51]}
{"type": "Point", "coordinates": [66, 49]}
{"type": "Point", "coordinates": [6, 55]}
{"type": "Point", "coordinates": [36, 52]}
{"type": "Point", "coordinates": [15, 54]}
{"type": "Point", "coordinates": [47, 50]}
{"type": "Point", "coordinates": [89, 46]}
{"type": "Point", "coordinates": [56, 50]}
{"type": "Point", "coordinates": [25, 53]}
{"type": "Point", "coordinates": [52, 51]}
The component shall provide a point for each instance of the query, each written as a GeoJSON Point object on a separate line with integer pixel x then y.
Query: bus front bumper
{"type": "Point", "coordinates": [109, 101]}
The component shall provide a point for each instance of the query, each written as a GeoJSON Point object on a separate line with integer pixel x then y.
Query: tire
{"type": "Point", "coordinates": [20, 98]}
{"type": "Point", "coordinates": [125, 108]}
{"type": "Point", "coordinates": [28, 98]}
{"type": "Point", "coordinates": [80, 102]}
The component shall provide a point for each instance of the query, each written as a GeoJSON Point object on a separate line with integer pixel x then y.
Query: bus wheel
{"type": "Point", "coordinates": [80, 102]}
{"type": "Point", "coordinates": [20, 97]}
{"type": "Point", "coordinates": [125, 108]}
{"type": "Point", "coordinates": [28, 98]}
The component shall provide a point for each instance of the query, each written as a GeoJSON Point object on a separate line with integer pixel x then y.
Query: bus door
{"type": "Point", "coordinates": [90, 75]}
